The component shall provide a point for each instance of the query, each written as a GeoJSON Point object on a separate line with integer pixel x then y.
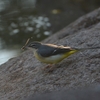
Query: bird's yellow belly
{"type": "Point", "coordinates": [53, 59]}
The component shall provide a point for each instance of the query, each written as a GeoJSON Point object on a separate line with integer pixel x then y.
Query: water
{"type": "Point", "coordinates": [22, 19]}
{"type": "Point", "coordinates": [6, 54]}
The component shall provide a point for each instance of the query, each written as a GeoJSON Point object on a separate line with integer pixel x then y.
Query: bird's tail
{"type": "Point", "coordinates": [82, 49]}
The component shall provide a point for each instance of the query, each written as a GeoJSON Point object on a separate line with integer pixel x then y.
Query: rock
{"type": "Point", "coordinates": [23, 75]}
{"type": "Point", "coordinates": [91, 93]}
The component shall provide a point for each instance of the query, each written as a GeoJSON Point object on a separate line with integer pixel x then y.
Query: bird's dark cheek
{"type": "Point", "coordinates": [36, 48]}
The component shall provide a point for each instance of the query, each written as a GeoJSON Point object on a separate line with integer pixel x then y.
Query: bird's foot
{"type": "Point", "coordinates": [49, 68]}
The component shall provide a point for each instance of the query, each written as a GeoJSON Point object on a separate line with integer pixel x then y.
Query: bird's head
{"type": "Point", "coordinates": [34, 45]}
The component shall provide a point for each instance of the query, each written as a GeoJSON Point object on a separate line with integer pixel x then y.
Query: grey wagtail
{"type": "Point", "coordinates": [50, 53]}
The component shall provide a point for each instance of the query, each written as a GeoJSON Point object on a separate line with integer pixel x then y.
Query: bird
{"type": "Point", "coordinates": [50, 53]}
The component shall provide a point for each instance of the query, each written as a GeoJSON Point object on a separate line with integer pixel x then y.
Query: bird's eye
{"type": "Point", "coordinates": [33, 45]}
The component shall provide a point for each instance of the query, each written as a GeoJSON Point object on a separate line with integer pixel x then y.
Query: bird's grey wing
{"type": "Point", "coordinates": [50, 51]}
{"type": "Point", "coordinates": [61, 50]}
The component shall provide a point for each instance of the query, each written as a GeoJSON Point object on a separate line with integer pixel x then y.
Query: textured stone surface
{"type": "Point", "coordinates": [23, 76]}
{"type": "Point", "coordinates": [91, 93]}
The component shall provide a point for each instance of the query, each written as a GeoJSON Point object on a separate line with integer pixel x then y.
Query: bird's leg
{"type": "Point", "coordinates": [48, 66]}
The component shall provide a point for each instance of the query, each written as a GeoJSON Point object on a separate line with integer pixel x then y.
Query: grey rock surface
{"type": "Point", "coordinates": [24, 75]}
{"type": "Point", "coordinates": [90, 93]}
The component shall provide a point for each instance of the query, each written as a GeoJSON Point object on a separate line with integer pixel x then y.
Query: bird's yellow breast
{"type": "Point", "coordinates": [54, 58]}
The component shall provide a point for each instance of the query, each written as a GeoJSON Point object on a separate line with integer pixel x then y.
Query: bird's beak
{"type": "Point", "coordinates": [28, 48]}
